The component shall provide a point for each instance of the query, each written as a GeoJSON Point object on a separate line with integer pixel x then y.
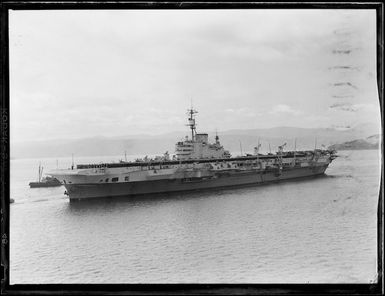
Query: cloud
{"type": "Point", "coordinates": [341, 127]}
{"type": "Point", "coordinates": [284, 109]}
{"type": "Point", "coordinates": [241, 112]}
{"type": "Point", "coordinates": [84, 73]}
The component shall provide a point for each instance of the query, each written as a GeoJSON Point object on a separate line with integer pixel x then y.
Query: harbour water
{"type": "Point", "coordinates": [318, 230]}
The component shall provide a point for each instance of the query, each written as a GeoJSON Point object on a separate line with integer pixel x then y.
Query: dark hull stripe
{"type": "Point", "coordinates": [38, 185]}
{"type": "Point", "coordinates": [84, 191]}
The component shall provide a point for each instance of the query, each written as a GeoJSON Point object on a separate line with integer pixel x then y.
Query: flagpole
{"type": "Point", "coordinates": [39, 171]}
{"type": "Point", "coordinates": [258, 153]}
{"type": "Point", "coordinates": [240, 145]}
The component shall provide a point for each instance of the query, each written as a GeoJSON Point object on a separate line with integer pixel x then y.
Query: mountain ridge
{"type": "Point", "coordinates": [233, 140]}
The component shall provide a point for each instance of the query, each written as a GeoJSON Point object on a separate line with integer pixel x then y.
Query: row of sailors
{"type": "Point", "coordinates": [166, 156]}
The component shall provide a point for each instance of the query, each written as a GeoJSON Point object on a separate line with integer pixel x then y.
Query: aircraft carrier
{"type": "Point", "coordinates": [196, 165]}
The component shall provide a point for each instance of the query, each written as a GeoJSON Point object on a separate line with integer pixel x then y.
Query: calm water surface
{"type": "Point", "coordinates": [316, 230]}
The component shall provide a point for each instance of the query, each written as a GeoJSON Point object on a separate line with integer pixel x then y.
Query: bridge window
{"type": "Point", "coordinates": [126, 178]}
{"type": "Point", "coordinates": [107, 180]}
{"type": "Point", "coordinates": [116, 179]}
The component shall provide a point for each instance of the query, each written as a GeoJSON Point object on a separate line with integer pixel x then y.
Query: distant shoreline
{"type": "Point", "coordinates": [117, 157]}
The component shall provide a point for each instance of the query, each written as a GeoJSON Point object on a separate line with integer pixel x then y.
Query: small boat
{"type": "Point", "coordinates": [47, 181]}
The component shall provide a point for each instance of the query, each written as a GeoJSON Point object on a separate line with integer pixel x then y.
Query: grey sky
{"type": "Point", "coordinates": [120, 72]}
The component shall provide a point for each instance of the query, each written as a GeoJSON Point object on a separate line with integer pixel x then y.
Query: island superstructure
{"type": "Point", "coordinates": [196, 165]}
{"type": "Point", "coordinates": [199, 147]}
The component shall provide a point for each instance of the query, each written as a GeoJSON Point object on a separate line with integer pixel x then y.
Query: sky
{"type": "Point", "coordinates": [87, 73]}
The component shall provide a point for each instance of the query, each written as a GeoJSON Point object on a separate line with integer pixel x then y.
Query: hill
{"type": "Point", "coordinates": [233, 140]}
{"type": "Point", "coordinates": [371, 142]}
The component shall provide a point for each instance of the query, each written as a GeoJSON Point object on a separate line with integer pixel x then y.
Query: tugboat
{"type": "Point", "coordinates": [47, 181]}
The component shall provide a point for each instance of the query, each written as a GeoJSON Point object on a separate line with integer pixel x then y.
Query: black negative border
{"type": "Point", "coordinates": [162, 289]}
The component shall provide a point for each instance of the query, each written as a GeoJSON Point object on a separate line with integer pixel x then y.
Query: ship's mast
{"type": "Point", "coordinates": [240, 145]}
{"type": "Point", "coordinates": [191, 122]}
{"type": "Point", "coordinates": [39, 176]}
{"type": "Point", "coordinates": [216, 137]}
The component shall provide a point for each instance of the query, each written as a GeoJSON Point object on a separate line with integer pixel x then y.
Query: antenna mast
{"type": "Point", "coordinates": [191, 121]}
{"type": "Point", "coordinates": [258, 151]}
{"type": "Point", "coordinates": [216, 137]}
{"type": "Point", "coordinates": [240, 145]}
{"type": "Point", "coordinates": [39, 176]}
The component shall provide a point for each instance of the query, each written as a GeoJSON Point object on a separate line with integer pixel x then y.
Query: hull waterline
{"type": "Point", "coordinates": [228, 179]}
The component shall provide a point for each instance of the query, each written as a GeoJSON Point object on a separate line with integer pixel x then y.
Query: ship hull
{"type": "Point", "coordinates": [42, 184]}
{"type": "Point", "coordinates": [220, 180]}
